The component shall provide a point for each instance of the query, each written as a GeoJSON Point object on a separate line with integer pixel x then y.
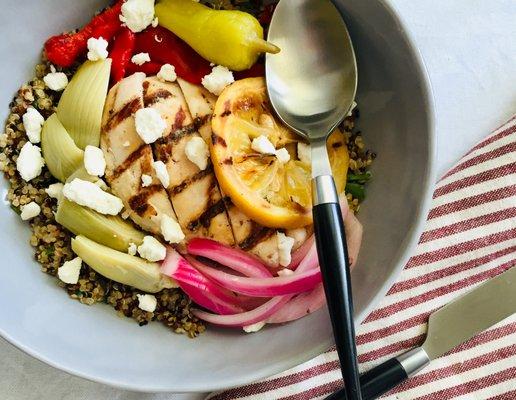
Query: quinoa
{"type": "Point", "coordinates": [52, 242]}
{"type": "Point", "coordinates": [360, 158]}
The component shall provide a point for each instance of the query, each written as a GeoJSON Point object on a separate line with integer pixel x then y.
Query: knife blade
{"type": "Point", "coordinates": [472, 313]}
{"type": "Point", "coordinates": [451, 325]}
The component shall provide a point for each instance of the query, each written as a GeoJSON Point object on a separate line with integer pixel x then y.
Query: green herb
{"type": "Point", "coordinates": [49, 250]}
{"type": "Point", "coordinates": [357, 190]}
{"type": "Point", "coordinates": [360, 178]}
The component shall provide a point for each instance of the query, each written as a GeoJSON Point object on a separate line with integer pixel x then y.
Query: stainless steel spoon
{"type": "Point", "coordinates": [311, 84]}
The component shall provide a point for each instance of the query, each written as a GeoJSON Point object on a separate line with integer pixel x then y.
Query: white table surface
{"type": "Point", "coordinates": [469, 47]}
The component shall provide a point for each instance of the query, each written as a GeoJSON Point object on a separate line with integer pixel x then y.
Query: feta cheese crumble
{"type": "Point", "coordinates": [162, 173]}
{"type": "Point", "coordinates": [285, 245]}
{"type": "Point", "coordinates": [167, 73]}
{"type": "Point", "coordinates": [94, 161]}
{"type": "Point", "coordinates": [90, 195]}
{"type": "Point", "coordinates": [151, 249]}
{"type": "Point", "coordinates": [197, 151]}
{"type": "Point", "coordinates": [254, 327]}
{"type": "Point", "coordinates": [55, 190]}
{"type": "Point", "coordinates": [299, 234]}
{"type": "Point", "coordinates": [97, 49]}
{"type": "Point", "coordinates": [149, 124]}
{"type": "Point", "coordinates": [155, 22]}
{"type": "Point", "coordinates": [285, 272]}
{"type": "Point", "coordinates": [131, 250]}
{"type": "Point", "coordinates": [70, 270]}
{"type": "Point", "coordinates": [146, 180]}
{"type": "Point", "coordinates": [282, 155]}
{"type": "Point", "coordinates": [171, 230]}
{"type": "Point", "coordinates": [29, 162]}
{"type": "Point", "coordinates": [140, 58]}
{"type": "Point", "coordinates": [218, 79]}
{"type": "Point", "coordinates": [30, 210]}
{"type": "Point", "coordinates": [55, 81]}
{"type": "Point", "coordinates": [147, 302]}
{"type": "Point", "coordinates": [304, 153]}
{"type": "Point", "coordinates": [263, 145]}
{"type": "Point", "coordinates": [137, 14]}
{"type": "Point", "coordinates": [32, 122]}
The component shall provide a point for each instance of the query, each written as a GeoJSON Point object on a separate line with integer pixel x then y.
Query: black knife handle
{"type": "Point", "coordinates": [333, 260]}
{"type": "Point", "coordinates": [388, 375]}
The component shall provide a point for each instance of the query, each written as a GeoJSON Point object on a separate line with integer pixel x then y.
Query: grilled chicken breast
{"type": "Point", "coordinates": [201, 104]}
{"type": "Point", "coordinates": [192, 197]}
{"type": "Point", "coordinates": [194, 193]}
{"type": "Point", "coordinates": [128, 157]}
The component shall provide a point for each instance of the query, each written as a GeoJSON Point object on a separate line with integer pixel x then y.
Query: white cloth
{"type": "Point", "coordinates": [468, 47]}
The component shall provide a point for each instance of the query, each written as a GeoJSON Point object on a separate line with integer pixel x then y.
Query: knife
{"type": "Point", "coordinates": [451, 325]}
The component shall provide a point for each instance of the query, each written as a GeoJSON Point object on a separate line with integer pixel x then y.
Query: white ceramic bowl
{"type": "Point", "coordinates": [92, 342]}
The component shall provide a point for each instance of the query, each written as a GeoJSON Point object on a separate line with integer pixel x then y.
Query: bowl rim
{"type": "Point", "coordinates": [414, 233]}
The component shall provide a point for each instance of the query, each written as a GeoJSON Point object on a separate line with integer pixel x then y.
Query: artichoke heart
{"type": "Point", "coordinates": [111, 231]}
{"type": "Point", "coordinates": [61, 155]}
{"type": "Point", "coordinates": [82, 102]}
{"type": "Point", "coordinates": [121, 267]}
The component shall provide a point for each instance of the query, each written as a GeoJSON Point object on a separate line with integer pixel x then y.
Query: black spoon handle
{"type": "Point", "coordinates": [333, 260]}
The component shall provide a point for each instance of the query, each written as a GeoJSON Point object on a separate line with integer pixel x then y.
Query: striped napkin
{"type": "Point", "coordinates": [470, 236]}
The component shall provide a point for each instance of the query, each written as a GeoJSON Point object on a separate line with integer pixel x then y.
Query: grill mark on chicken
{"type": "Point", "coordinates": [139, 203]}
{"type": "Point", "coordinates": [175, 136]}
{"type": "Point", "coordinates": [156, 96]}
{"type": "Point", "coordinates": [135, 156]}
{"type": "Point", "coordinates": [257, 235]}
{"type": "Point", "coordinates": [200, 121]}
{"type": "Point", "coordinates": [205, 219]}
{"type": "Point", "coordinates": [216, 139]}
{"type": "Point", "coordinates": [125, 112]}
{"type": "Point", "coordinates": [179, 119]}
{"type": "Point", "coordinates": [186, 183]}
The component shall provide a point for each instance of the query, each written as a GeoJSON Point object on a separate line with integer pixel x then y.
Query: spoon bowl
{"type": "Point", "coordinates": [321, 50]}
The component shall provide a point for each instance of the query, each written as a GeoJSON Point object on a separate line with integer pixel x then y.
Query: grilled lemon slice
{"type": "Point", "coordinates": [272, 193]}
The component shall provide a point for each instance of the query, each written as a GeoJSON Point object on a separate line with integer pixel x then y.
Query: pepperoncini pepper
{"type": "Point", "coordinates": [230, 38]}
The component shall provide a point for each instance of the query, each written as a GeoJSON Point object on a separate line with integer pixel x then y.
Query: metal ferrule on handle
{"type": "Point", "coordinates": [323, 190]}
{"type": "Point", "coordinates": [414, 361]}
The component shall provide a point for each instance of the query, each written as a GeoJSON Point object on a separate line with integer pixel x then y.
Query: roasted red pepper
{"type": "Point", "coordinates": [149, 68]}
{"type": "Point", "coordinates": [64, 49]}
{"type": "Point", "coordinates": [121, 53]}
{"type": "Point", "coordinates": [166, 48]}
